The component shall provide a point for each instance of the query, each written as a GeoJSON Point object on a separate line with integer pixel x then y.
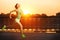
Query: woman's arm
{"type": "Point", "coordinates": [11, 13]}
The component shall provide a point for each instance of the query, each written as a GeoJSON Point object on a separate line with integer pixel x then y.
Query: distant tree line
{"type": "Point", "coordinates": [34, 21]}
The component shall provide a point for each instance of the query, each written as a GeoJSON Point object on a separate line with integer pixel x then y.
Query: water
{"type": "Point", "coordinates": [29, 36]}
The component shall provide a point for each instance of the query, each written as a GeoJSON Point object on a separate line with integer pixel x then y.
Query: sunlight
{"type": "Point", "coordinates": [26, 12]}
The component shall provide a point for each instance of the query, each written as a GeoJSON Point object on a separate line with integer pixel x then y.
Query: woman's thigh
{"type": "Point", "coordinates": [17, 20]}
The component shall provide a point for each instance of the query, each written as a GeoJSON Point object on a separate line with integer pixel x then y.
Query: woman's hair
{"type": "Point", "coordinates": [17, 6]}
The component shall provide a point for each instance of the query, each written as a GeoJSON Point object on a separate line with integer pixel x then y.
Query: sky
{"type": "Point", "coordinates": [48, 7]}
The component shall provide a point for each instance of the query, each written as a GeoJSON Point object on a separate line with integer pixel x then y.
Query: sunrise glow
{"type": "Point", "coordinates": [49, 7]}
{"type": "Point", "coordinates": [26, 12]}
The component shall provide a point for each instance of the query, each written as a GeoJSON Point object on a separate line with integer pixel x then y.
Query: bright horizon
{"type": "Point", "coordinates": [49, 7]}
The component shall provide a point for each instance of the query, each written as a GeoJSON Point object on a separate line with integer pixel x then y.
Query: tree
{"type": "Point", "coordinates": [58, 14]}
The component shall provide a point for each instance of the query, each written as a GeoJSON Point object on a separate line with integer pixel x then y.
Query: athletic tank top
{"type": "Point", "coordinates": [19, 12]}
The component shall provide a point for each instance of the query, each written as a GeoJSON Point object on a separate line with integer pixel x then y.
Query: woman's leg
{"type": "Point", "coordinates": [20, 25]}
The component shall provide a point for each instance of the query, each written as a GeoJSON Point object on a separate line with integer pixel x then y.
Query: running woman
{"type": "Point", "coordinates": [18, 13]}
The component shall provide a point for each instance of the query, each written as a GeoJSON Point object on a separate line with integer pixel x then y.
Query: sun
{"type": "Point", "coordinates": [26, 12]}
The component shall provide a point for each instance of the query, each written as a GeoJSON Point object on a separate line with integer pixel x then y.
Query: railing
{"type": "Point", "coordinates": [31, 30]}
